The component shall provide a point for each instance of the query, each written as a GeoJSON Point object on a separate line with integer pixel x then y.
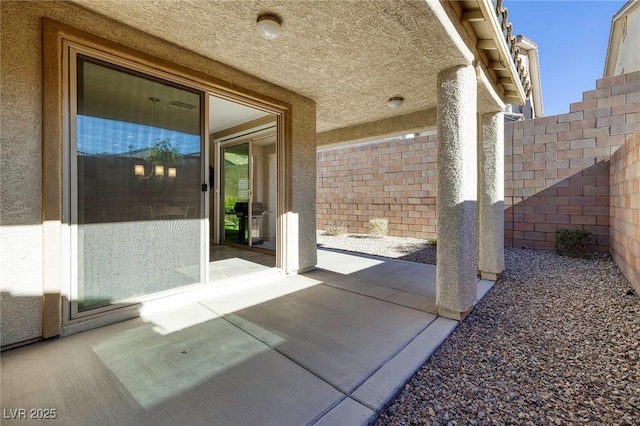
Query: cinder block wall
{"type": "Point", "coordinates": [394, 179]}
{"type": "Point", "coordinates": [557, 167]}
{"type": "Point", "coordinates": [556, 173]}
{"type": "Point", "coordinates": [625, 209]}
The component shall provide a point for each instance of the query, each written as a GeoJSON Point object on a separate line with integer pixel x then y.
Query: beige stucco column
{"type": "Point", "coordinates": [491, 196]}
{"type": "Point", "coordinates": [457, 189]}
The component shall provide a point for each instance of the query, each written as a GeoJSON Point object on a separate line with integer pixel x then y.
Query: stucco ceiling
{"type": "Point", "coordinates": [348, 56]}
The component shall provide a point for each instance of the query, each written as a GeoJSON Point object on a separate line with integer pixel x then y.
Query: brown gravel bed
{"type": "Point", "coordinates": [555, 341]}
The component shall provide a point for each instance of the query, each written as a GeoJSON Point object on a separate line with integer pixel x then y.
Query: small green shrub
{"type": "Point", "coordinates": [230, 204]}
{"type": "Point", "coordinates": [336, 230]}
{"type": "Point", "coordinates": [378, 227]}
{"type": "Point", "coordinates": [572, 242]}
{"type": "Point", "coordinates": [231, 222]}
{"type": "Point", "coordinates": [432, 242]}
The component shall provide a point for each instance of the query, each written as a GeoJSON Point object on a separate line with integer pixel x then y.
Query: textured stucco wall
{"type": "Point", "coordinates": [491, 195]}
{"type": "Point", "coordinates": [21, 178]}
{"type": "Point", "coordinates": [457, 192]}
{"type": "Point", "coordinates": [625, 209]}
{"type": "Point", "coordinates": [20, 283]}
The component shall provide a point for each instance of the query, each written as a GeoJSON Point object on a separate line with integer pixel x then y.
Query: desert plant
{"type": "Point", "coordinates": [336, 230]}
{"type": "Point", "coordinates": [572, 242]}
{"type": "Point", "coordinates": [378, 227]}
{"type": "Point", "coordinates": [432, 242]}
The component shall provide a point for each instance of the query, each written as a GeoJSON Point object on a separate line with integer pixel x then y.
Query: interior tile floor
{"type": "Point", "coordinates": [227, 262]}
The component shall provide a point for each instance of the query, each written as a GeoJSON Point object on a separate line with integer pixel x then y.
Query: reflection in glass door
{"type": "Point", "coordinates": [237, 193]}
{"type": "Point", "coordinates": [136, 173]}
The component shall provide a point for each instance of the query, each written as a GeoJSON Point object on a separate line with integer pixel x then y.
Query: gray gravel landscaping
{"type": "Point", "coordinates": [410, 249]}
{"type": "Point", "coordinates": [555, 341]}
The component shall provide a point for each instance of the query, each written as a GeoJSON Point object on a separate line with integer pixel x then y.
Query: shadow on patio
{"type": "Point", "coordinates": [327, 347]}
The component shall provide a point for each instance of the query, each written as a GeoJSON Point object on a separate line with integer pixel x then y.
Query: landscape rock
{"type": "Point", "coordinates": [555, 341]}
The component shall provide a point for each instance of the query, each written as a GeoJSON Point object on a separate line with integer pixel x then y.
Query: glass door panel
{"type": "Point", "coordinates": [136, 194]}
{"type": "Point", "coordinates": [236, 193]}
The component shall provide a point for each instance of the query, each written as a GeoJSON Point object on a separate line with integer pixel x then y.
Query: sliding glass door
{"type": "Point", "coordinates": [249, 189]}
{"type": "Point", "coordinates": [237, 193]}
{"type": "Point", "coordinates": [136, 160]}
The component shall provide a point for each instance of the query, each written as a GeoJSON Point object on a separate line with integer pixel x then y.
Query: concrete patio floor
{"type": "Point", "coordinates": [329, 347]}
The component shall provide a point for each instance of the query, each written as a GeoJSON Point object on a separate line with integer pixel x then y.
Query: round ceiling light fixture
{"type": "Point", "coordinates": [269, 26]}
{"type": "Point", "coordinates": [395, 102]}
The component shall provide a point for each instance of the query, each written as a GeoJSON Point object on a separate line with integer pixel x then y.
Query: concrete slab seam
{"type": "Point", "coordinates": [441, 338]}
{"type": "Point", "coordinates": [428, 355]}
{"type": "Point", "coordinates": [373, 257]}
{"type": "Point", "coordinates": [224, 317]}
{"type": "Point", "coordinates": [327, 410]}
{"type": "Point", "coordinates": [384, 362]}
{"type": "Point", "coordinates": [323, 419]}
{"type": "Point", "coordinates": [369, 295]}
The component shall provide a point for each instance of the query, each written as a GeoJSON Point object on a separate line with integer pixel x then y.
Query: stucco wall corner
{"type": "Point", "coordinates": [20, 284]}
{"type": "Point", "coordinates": [303, 179]}
{"type": "Point", "coordinates": [21, 256]}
